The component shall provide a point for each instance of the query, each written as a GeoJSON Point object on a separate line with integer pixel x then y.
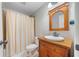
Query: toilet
{"type": "Point", "coordinates": [32, 49]}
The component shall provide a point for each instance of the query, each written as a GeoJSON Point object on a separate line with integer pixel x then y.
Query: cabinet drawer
{"type": "Point", "coordinates": [43, 43]}
{"type": "Point", "coordinates": [51, 47]}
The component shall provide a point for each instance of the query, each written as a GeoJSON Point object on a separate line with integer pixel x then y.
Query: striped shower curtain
{"type": "Point", "coordinates": [19, 32]}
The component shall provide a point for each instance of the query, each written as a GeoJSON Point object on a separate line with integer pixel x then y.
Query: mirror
{"type": "Point", "coordinates": [58, 20]}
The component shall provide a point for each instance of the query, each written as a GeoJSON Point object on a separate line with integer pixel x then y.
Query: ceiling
{"type": "Point", "coordinates": [25, 7]}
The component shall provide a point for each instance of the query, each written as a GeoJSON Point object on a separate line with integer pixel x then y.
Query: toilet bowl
{"type": "Point", "coordinates": [32, 48]}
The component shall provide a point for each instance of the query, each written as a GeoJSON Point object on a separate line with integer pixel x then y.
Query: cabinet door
{"type": "Point", "coordinates": [57, 51]}
{"type": "Point", "coordinates": [51, 51]}
{"type": "Point", "coordinates": [42, 50]}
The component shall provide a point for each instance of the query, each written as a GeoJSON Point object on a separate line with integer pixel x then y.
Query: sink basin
{"type": "Point", "coordinates": [54, 38]}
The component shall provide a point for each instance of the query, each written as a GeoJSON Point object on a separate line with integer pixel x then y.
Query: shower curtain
{"type": "Point", "coordinates": [19, 32]}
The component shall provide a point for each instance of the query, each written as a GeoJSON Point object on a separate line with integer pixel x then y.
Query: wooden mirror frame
{"type": "Point", "coordinates": [62, 8]}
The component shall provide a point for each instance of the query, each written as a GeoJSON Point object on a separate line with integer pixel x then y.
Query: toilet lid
{"type": "Point", "coordinates": [32, 47]}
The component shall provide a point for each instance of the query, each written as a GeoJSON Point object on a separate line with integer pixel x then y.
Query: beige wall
{"type": "Point", "coordinates": [42, 20]}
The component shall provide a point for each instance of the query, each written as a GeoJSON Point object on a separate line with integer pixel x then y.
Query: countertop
{"type": "Point", "coordinates": [67, 42]}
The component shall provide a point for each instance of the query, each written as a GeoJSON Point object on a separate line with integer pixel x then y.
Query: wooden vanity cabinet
{"type": "Point", "coordinates": [47, 49]}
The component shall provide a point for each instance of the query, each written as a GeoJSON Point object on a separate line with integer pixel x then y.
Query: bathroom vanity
{"type": "Point", "coordinates": [56, 46]}
{"type": "Point", "coordinates": [50, 48]}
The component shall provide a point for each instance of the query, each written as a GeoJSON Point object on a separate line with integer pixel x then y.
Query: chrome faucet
{"type": "Point", "coordinates": [56, 34]}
